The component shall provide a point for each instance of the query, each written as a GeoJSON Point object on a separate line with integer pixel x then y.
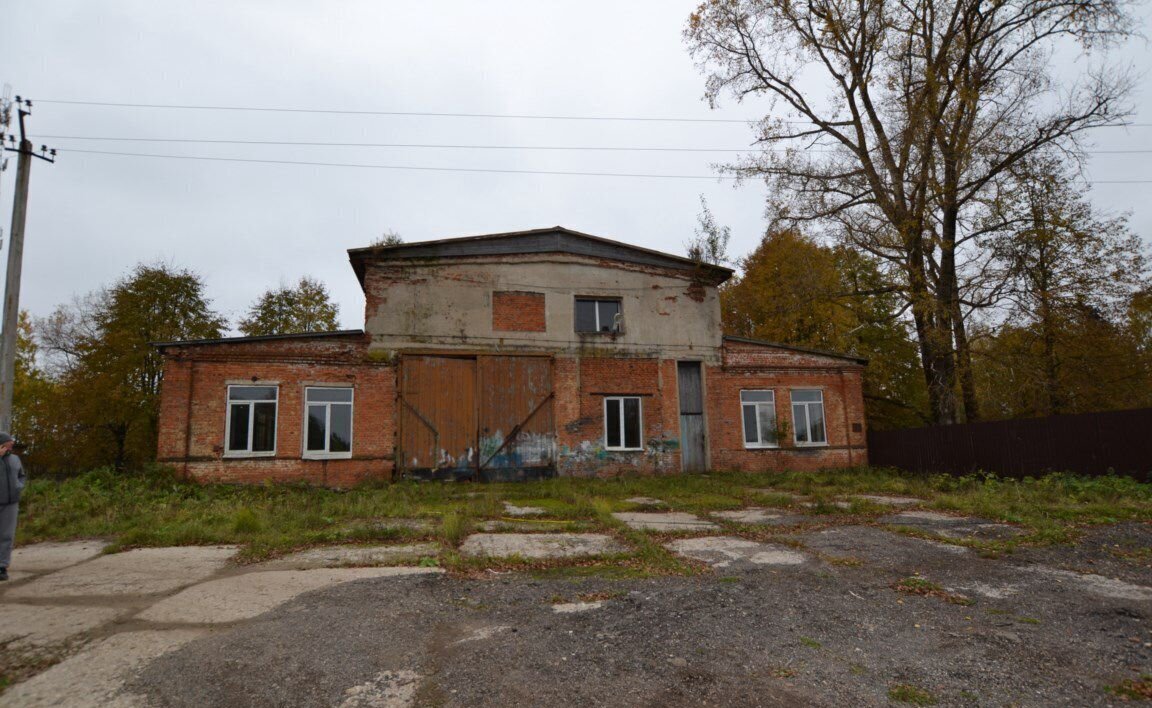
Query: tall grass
{"type": "Point", "coordinates": [156, 508]}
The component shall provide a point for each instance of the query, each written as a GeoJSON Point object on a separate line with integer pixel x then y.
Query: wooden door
{"type": "Point", "coordinates": [476, 417]}
{"type": "Point", "coordinates": [437, 417]}
{"type": "Point", "coordinates": [517, 432]}
{"type": "Point", "coordinates": [691, 390]}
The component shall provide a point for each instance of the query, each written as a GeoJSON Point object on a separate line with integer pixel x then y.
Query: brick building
{"type": "Point", "coordinates": [511, 356]}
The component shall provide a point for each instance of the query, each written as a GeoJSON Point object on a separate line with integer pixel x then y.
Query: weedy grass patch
{"type": "Point", "coordinates": [907, 693]}
{"type": "Point", "coordinates": [156, 508]}
{"type": "Point", "coordinates": [917, 585]}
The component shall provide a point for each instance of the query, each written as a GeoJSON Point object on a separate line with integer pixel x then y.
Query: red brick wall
{"type": "Point", "coordinates": [193, 410]}
{"type": "Point", "coordinates": [518, 311]}
{"type": "Point", "coordinates": [194, 400]}
{"type": "Point", "coordinates": [581, 386]}
{"type": "Point", "coordinates": [760, 367]}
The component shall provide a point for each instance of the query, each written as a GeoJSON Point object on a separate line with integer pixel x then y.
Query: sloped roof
{"type": "Point", "coordinates": [806, 350]}
{"type": "Point", "coordinates": [556, 239]}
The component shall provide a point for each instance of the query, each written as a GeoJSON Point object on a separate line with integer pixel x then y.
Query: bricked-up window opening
{"type": "Point", "coordinates": [759, 409]}
{"type": "Point", "coordinates": [329, 422]}
{"type": "Point", "coordinates": [622, 423]}
{"type": "Point", "coordinates": [597, 315]}
{"type": "Point", "coordinates": [252, 420]}
{"type": "Point", "coordinates": [808, 417]}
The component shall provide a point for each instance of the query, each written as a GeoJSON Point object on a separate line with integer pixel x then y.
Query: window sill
{"type": "Point", "coordinates": [326, 456]}
{"type": "Point", "coordinates": [624, 449]}
{"type": "Point", "coordinates": [819, 444]}
{"type": "Point", "coordinates": [241, 455]}
{"type": "Point", "coordinates": [761, 447]}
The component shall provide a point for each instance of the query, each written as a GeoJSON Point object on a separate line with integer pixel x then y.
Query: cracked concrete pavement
{"type": "Point", "coordinates": [813, 622]}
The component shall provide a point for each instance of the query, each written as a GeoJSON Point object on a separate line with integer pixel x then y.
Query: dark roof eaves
{"type": "Point", "coordinates": [355, 254]}
{"type": "Point", "coordinates": [258, 338]}
{"type": "Point", "coordinates": [806, 350]}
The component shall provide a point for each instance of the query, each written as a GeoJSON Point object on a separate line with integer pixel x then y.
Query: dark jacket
{"type": "Point", "coordinates": [13, 483]}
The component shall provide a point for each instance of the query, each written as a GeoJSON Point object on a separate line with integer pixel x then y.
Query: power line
{"type": "Point", "coordinates": [521, 116]}
{"type": "Point", "coordinates": [646, 119]}
{"type": "Point", "coordinates": [448, 169]}
{"type": "Point", "coordinates": [398, 167]}
{"type": "Point", "coordinates": [573, 148]}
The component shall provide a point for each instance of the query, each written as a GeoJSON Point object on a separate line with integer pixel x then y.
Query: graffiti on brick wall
{"type": "Point", "coordinates": [528, 449]}
{"type": "Point", "coordinates": [589, 454]}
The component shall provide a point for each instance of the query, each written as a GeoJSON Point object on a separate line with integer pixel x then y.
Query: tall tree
{"type": "Point", "coordinates": [1071, 276]}
{"type": "Point", "coordinates": [792, 289]}
{"type": "Point", "coordinates": [897, 116]}
{"type": "Point", "coordinates": [306, 307]}
{"type": "Point", "coordinates": [105, 365]}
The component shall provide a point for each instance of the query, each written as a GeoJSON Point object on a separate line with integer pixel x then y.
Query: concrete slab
{"type": "Point", "coordinates": [49, 557]}
{"type": "Point", "coordinates": [389, 689]}
{"type": "Point", "coordinates": [889, 501]}
{"type": "Point", "coordinates": [982, 531]}
{"type": "Point", "coordinates": [492, 525]}
{"type": "Point", "coordinates": [513, 510]}
{"type": "Point", "coordinates": [568, 608]}
{"type": "Point", "coordinates": [645, 501]}
{"type": "Point", "coordinates": [921, 518]}
{"type": "Point", "coordinates": [144, 571]}
{"type": "Point", "coordinates": [40, 625]}
{"type": "Point", "coordinates": [1094, 584]}
{"type": "Point", "coordinates": [756, 515]}
{"type": "Point", "coordinates": [246, 596]}
{"type": "Point", "coordinates": [540, 545]}
{"type": "Point", "coordinates": [351, 556]}
{"type": "Point", "coordinates": [839, 504]}
{"type": "Point", "coordinates": [665, 521]}
{"type": "Point", "coordinates": [94, 678]}
{"type": "Point", "coordinates": [722, 551]}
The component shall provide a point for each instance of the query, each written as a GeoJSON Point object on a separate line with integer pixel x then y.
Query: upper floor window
{"type": "Point", "coordinates": [251, 420]}
{"type": "Point", "coordinates": [597, 315]}
{"type": "Point", "coordinates": [329, 422]}
{"type": "Point", "coordinates": [808, 417]}
{"type": "Point", "coordinates": [759, 409]}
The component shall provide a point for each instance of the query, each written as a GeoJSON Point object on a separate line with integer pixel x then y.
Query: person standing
{"type": "Point", "coordinates": [12, 484]}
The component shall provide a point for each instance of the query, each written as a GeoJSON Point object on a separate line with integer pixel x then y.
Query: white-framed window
{"type": "Point", "coordinates": [328, 421]}
{"type": "Point", "coordinates": [759, 413]}
{"type": "Point", "coordinates": [251, 426]}
{"type": "Point", "coordinates": [808, 417]}
{"type": "Point", "coordinates": [623, 423]}
{"type": "Point", "coordinates": [598, 314]}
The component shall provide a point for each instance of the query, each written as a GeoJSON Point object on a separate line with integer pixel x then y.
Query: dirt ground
{"type": "Point", "coordinates": [829, 631]}
{"type": "Point", "coordinates": [826, 612]}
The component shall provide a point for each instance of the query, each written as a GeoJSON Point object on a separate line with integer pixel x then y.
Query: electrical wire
{"type": "Point", "coordinates": [572, 148]}
{"type": "Point", "coordinates": [398, 167]}
{"type": "Point", "coordinates": [450, 169]}
{"type": "Point", "coordinates": [519, 116]}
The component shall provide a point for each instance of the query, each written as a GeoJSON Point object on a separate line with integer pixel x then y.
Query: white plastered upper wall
{"type": "Point", "coordinates": [446, 303]}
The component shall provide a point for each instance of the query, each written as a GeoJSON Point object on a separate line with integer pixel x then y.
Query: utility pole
{"type": "Point", "coordinates": [15, 260]}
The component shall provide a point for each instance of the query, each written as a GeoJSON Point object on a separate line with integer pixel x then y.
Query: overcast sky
{"type": "Point", "coordinates": [246, 227]}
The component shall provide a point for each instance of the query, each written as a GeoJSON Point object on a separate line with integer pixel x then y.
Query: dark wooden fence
{"type": "Point", "coordinates": [1086, 443]}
